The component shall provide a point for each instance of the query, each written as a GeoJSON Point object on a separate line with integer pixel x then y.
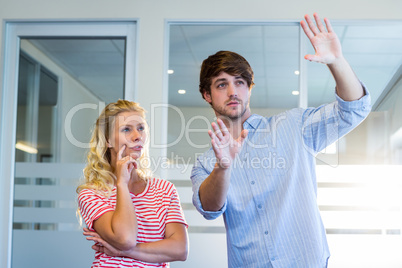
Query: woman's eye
{"type": "Point", "coordinates": [141, 128]}
{"type": "Point", "coordinates": [126, 129]}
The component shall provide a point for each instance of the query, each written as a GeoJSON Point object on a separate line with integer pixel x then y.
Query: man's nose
{"type": "Point", "coordinates": [232, 91]}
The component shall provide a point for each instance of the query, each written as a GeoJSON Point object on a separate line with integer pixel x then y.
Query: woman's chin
{"type": "Point", "coordinates": [135, 155]}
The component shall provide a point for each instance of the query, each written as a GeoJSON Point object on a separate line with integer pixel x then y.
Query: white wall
{"type": "Point", "coordinates": [392, 106]}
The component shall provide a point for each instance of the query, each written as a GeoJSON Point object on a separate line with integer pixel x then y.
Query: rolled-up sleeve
{"type": "Point", "coordinates": [324, 125]}
{"type": "Point", "coordinates": [362, 106]}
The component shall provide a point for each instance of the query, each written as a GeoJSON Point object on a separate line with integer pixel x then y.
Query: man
{"type": "Point", "coordinates": [260, 172]}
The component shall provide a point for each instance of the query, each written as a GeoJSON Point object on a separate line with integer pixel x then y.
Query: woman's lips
{"type": "Point", "coordinates": [136, 148]}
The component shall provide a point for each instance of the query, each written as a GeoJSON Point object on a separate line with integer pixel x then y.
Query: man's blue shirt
{"type": "Point", "coordinates": [271, 214]}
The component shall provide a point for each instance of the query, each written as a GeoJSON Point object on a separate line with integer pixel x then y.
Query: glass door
{"type": "Point", "coordinates": [66, 73]}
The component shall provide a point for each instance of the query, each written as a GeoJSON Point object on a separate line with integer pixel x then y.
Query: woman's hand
{"type": "Point", "coordinates": [124, 166]}
{"type": "Point", "coordinates": [119, 227]}
{"type": "Point", "coordinates": [101, 245]}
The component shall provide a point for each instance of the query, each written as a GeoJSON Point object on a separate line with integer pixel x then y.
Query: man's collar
{"type": "Point", "coordinates": [252, 122]}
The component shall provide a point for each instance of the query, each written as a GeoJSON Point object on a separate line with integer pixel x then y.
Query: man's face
{"type": "Point", "coordinates": [230, 96]}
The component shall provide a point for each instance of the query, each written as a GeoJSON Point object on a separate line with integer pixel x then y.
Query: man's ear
{"type": "Point", "coordinates": [207, 97]}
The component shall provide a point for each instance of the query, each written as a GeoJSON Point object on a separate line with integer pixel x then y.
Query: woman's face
{"type": "Point", "coordinates": [129, 131]}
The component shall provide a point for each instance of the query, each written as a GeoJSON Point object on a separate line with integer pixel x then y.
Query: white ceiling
{"type": "Point", "coordinates": [375, 53]}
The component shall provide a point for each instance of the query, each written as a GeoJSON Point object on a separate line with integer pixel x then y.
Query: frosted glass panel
{"type": "Point", "coordinates": [63, 85]}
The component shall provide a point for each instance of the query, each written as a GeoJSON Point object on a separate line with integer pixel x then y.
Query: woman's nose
{"type": "Point", "coordinates": [135, 136]}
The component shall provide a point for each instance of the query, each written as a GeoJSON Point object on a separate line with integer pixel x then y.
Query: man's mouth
{"type": "Point", "coordinates": [233, 103]}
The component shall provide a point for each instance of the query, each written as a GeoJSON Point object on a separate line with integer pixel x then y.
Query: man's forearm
{"type": "Point", "coordinates": [213, 190]}
{"type": "Point", "coordinates": [348, 86]}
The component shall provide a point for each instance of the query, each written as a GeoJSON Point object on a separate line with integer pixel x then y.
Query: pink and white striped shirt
{"type": "Point", "coordinates": [156, 206]}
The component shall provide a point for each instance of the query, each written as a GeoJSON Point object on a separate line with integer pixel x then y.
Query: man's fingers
{"type": "Point", "coordinates": [217, 130]}
{"type": "Point", "coordinates": [328, 24]}
{"type": "Point", "coordinates": [214, 137]}
{"type": "Point", "coordinates": [319, 23]}
{"type": "Point", "coordinates": [306, 30]}
{"type": "Point", "coordinates": [312, 58]}
{"type": "Point", "coordinates": [243, 136]}
{"type": "Point", "coordinates": [216, 149]}
{"type": "Point", "coordinates": [222, 126]}
{"type": "Point", "coordinates": [311, 24]}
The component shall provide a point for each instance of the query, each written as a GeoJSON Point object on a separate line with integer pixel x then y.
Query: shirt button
{"type": "Point", "coordinates": [259, 206]}
{"type": "Point", "coordinates": [252, 182]}
{"type": "Point", "coordinates": [266, 232]}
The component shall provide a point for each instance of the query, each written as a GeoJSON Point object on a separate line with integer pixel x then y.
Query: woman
{"type": "Point", "coordinates": [136, 220]}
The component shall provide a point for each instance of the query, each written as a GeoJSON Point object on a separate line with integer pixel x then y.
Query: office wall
{"type": "Point", "coordinates": [393, 117]}
{"type": "Point", "coordinates": [152, 16]}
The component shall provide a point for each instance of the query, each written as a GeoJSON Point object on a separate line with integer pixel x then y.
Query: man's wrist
{"type": "Point", "coordinates": [223, 165]}
{"type": "Point", "coordinates": [338, 63]}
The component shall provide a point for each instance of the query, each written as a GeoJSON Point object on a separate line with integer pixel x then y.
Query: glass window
{"type": "Point", "coordinates": [374, 52]}
{"type": "Point", "coordinates": [37, 108]}
{"type": "Point", "coordinates": [358, 177]}
{"type": "Point", "coordinates": [271, 50]}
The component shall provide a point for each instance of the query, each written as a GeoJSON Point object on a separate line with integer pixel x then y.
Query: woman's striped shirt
{"type": "Point", "coordinates": [156, 206]}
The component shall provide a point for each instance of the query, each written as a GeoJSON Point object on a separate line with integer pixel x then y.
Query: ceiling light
{"type": "Point", "coordinates": [26, 148]}
{"type": "Point", "coordinates": [297, 72]}
{"type": "Point", "coordinates": [170, 71]}
{"type": "Point", "coordinates": [181, 91]}
{"type": "Point", "coordinates": [295, 92]}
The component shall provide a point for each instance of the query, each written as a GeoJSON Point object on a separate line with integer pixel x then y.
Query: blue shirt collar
{"type": "Point", "coordinates": [252, 122]}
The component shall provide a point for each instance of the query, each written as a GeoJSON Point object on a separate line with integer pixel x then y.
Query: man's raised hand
{"type": "Point", "coordinates": [225, 147]}
{"type": "Point", "coordinates": [325, 41]}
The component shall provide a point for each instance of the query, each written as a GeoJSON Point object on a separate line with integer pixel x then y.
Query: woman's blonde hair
{"type": "Point", "coordinates": [98, 172]}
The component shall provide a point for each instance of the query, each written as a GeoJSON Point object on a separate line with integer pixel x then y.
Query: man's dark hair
{"type": "Point", "coordinates": [224, 61]}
